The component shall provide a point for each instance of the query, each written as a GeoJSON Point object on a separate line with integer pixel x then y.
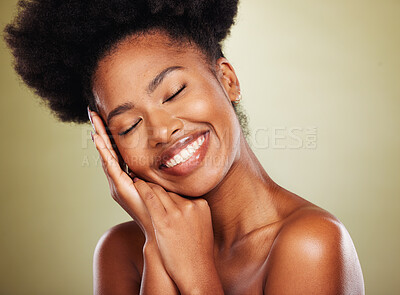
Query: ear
{"type": "Point", "coordinates": [228, 79]}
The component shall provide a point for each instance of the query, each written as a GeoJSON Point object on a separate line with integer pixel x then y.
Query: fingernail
{"type": "Point", "coordinates": [90, 118]}
{"type": "Point", "coordinates": [135, 179]}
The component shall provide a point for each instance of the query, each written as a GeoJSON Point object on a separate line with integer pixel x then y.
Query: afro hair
{"type": "Point", "coordinates": [57, 43]}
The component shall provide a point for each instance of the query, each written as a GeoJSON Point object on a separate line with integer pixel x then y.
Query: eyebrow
{"type": "Point", "coordinates": [160, 77]}
{"type": "Point", "coordinates": [119, 110]}
{"type": "Point", "coordinates": [150, 89]}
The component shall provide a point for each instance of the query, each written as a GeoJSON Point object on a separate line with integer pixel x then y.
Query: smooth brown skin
{"type": "Point", "coordinates": [264, 239]}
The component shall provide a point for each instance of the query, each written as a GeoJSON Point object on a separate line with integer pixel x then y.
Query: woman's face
{"type": "Point", "coordinates": [157, 98]}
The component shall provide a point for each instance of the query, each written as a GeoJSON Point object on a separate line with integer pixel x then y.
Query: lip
{"type": "Point", "coordinates": [179, 145]}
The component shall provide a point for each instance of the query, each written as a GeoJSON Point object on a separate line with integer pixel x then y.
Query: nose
{"type": "Point", "coordinates": [161, 126]}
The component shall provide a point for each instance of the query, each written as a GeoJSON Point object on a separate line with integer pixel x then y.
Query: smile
{"type": "Point", "coordinates": [185, 160]}
{"type": "Point", "coordinates": [186, 153]}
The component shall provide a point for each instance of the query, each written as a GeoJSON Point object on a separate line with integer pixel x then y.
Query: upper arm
{"type": "Point", "coordinates": [114, 269]}
{"type": "Point", "coordinates": [314, 254]}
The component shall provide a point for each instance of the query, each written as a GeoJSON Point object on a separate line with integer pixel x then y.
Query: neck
{"type": "Point", "coordinates": [243, 201]}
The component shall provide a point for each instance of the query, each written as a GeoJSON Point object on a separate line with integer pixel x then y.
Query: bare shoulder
{"type": "Point", "coordinates": [116, 260]}
{"type": "Point", "coordinates": [315, 253]}
{"type": "Point", "coordinates": [125, 237]}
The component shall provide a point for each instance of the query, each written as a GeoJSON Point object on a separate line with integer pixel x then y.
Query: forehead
{"type": "Point", "coordinates": [133, 62]}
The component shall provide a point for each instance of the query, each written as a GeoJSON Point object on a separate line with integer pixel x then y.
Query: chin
{"type": "Point", "coordinates": [197, 188]}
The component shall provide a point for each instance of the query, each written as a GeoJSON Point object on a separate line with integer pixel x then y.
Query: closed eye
{"type": "Point", "coordinates": [133, 126]}
{"type": "Point", "coordinates": [129, 129]}
{"type": "Point", "coordinates": [176, 93]}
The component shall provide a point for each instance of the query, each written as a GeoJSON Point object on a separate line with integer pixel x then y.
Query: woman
{"type": "Point", "coordinates": [207, 218]}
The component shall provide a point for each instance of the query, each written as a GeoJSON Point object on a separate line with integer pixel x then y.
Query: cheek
{"type": "Point", "coordinates": [207, 104]}
{"type": "Point", "coordinates": [217, 112]}
{"type": "Point", "coordinates": [198, 110]}
{"type": "Point", "coordinates": [221, 115]}
{"type": "Point", "coordinates": [210, 105]}
{"type": "Point", "coordinates": [135, 157]}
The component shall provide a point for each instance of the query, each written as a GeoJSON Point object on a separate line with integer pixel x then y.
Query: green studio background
{"type": "Point", "coordinates": [320, 83]}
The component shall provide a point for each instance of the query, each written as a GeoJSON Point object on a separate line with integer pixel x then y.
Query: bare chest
{"type": "Point", "coordinates": [244, 270]}
{"type": "Point", "coordinates": [238, 278]}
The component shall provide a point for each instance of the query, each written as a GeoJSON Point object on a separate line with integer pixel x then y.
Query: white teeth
{"type": "Point", "coordinates": [178, 158]}
{"type": "Point", "coordinates": [171, 163]}
{"type": "Point", "coordinates": [186, 153]}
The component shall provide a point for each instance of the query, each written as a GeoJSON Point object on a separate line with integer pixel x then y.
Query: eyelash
{"type": "Point", "coordinates": [176, 93]}
{"type": "Point", "coordinates": [129, 129]}
{"type": "Point", "coordinates": [168, 99]}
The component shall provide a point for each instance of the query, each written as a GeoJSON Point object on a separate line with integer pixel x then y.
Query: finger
{"type": "Point", "coordinates": [111, 166]}
{"type": "Point", "coordinates": [169, 204]}
{"type": "Point", "coordinates": [101, 130]}
{"type": "Point", "coordinates": [122, 188]}
{"type": "Point", "coordinates": [125, 190]}
{"type": "Point", "coordinates": [178, 199]}
{"type": "Point", "coordinates": [151, 200]}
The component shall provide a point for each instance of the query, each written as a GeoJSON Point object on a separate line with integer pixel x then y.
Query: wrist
{"type": "Point", "coordinates": [150, 247]}
{"type": "Point", "coordinates": [205, 281]}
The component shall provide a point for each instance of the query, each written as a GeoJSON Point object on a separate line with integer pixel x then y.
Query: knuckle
{"type": "Point", "coordinates": [149, 195]}
{"type": "Point", "coordinates": [120, 174]}
{"type": "Point", "coordinates": [138, 184]}
{"type": "Point", "coordinates": [201, 202]}
{"type": "Point", "coordinates": [157, 189]}
{"type": "Point", "coordinates": [109, 160]}
{"type": "Point", "coordinates": [176, 214]}
{"type": "Point", "coordinates": [189, 205]}
{"type": "Point", "coordinates": [152, 185]}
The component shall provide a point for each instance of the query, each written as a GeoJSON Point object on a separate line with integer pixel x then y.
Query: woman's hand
{"type": "Point", "coordinates": [184, 235]}
{"type": "Point", "coordinates": [121, 185]}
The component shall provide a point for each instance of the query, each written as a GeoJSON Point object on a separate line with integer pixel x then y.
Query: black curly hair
{"type": "Point", "coordinates": [57, 43]}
